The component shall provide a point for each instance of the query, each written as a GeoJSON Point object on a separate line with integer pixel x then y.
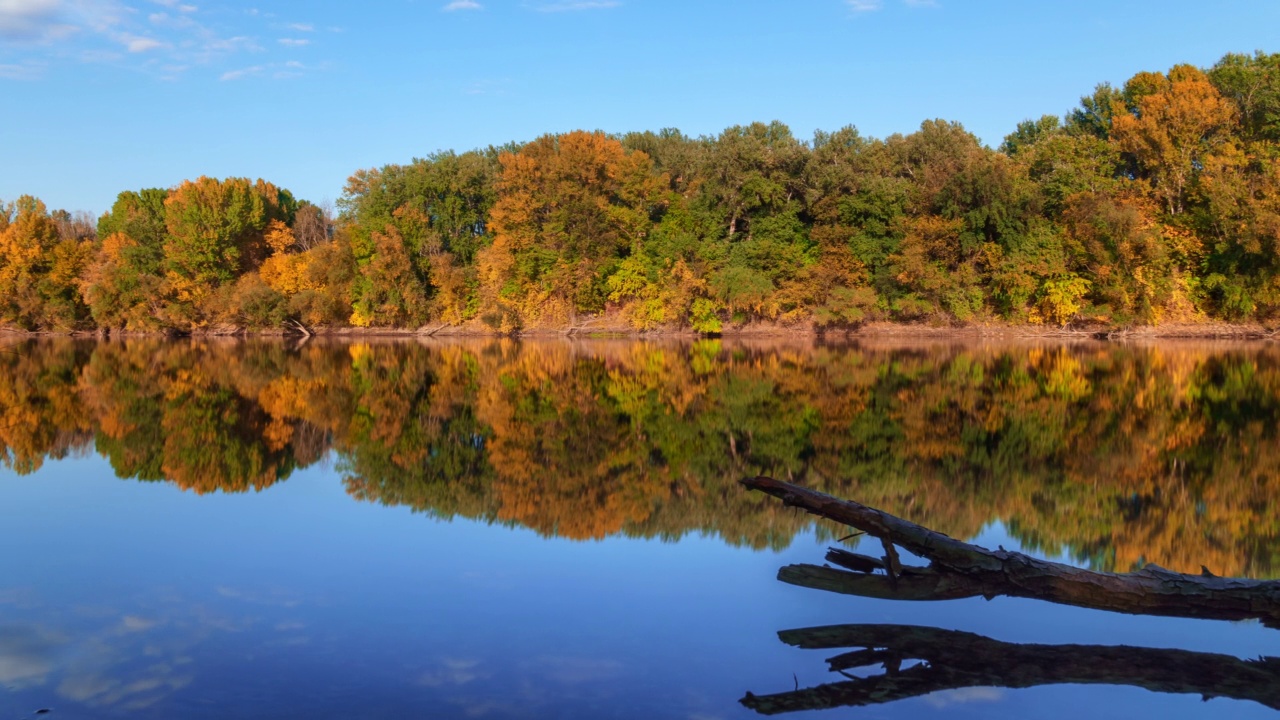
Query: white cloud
{"type": "Point", "coordinates": [241, 73]}
{"type": "Point", "coordinates": [463, 5]}
{"type": "Point", "coordinates": [239, 43]}
{"type": "Point", "coordinates": [574, 5]}
{"type": "Point", "coordinates": [162, 38]}
{"type": "Point", "coordinates": [21, 72]}
{"type": "Point", "coordinates": [177, 5]}
{"type": "Point", "coordinates": [165, 20]}
{"type": "Point", "coordinates": [33, 20]}
{"type": "Point", "coordinates": [864, 6]}
{"type": "Point", "coordinates": [142, 44]}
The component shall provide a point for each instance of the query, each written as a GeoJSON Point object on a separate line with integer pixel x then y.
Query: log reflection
{"type": "Point", "coordinates": [917, 661]}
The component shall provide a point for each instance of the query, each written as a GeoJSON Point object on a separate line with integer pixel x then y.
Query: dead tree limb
{"type": "Point", "coordinates": [950, 660]}
{"type": "Point", "coordinates": [958, 569]}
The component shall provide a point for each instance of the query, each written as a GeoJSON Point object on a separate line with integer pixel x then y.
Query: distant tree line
{"type": "Point", "coordinates": [1158, 201]}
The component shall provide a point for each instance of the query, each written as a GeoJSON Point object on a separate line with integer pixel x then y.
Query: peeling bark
{"type": "Point", "coordinates": [950, 660]}
{"type": "Point", "coordinates": [958, 569]}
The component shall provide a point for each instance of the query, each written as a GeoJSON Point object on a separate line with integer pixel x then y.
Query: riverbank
{"type": "Point", "coordinates": [615, 327]}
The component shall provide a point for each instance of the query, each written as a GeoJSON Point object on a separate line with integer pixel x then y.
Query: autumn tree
{"type": "Point", "coordinates": [122, 283]}
{"type": "Point", "coordinates": [568, 208]}
{"type": "Point", "coordinates": [1176, 122]}
{"type": "Point", "coordinates": [40, 269]}
{"type": "Point", "coordinates": [423, 223]}
{"type": "Point", "coordinates": [840, 177]}
{"type": "Point", "coordinates": [753, 186]}
{"type": "Point", "coordinates": [215, 233]}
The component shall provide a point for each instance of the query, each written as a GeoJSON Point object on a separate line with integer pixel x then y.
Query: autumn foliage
{"type": "Point", "coordinates": [1157, 201]}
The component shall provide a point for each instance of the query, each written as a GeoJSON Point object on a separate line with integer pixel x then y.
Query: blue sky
{"type": "Point", "coordinates": [107, 95]}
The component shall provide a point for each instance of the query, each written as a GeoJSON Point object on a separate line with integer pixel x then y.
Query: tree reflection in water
{"type": "Point", "coordinates": [1118, 455]}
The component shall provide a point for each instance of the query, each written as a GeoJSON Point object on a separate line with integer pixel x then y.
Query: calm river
{"type": "Point", "coordinates": [554, 529]}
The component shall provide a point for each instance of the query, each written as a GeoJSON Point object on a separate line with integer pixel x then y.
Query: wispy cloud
{"type": "Point", "coordinates": [463, 5]}
{"type": "Point", "coordinates": [236, 44]}
{"type": "Point", "coordinates": [861, 6]}
{"type": "Point", "coordinates": [21, 72]}
{"type": "Point", "coordinates": [488, 87]}
{"type": "Point", "coordinates": [866, 6]}
{"type": "Point", "coordinates": [177, 5]}
{"type": "Point", "coordinates": [242, 73]}
{"type": "Point", "coordinates": [172, 38]}
{"type": "Point", "coordinates": [576, 5]}
{"type": "Point", "coordinates": [165, 20]}
{"type": "Point", "coordinates": [142, 44]}
{"type": "Point", "coordinates": [33, 21]}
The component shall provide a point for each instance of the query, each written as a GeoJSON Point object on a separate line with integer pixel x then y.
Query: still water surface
{"type": "Point", "coordinates": [498, 529]}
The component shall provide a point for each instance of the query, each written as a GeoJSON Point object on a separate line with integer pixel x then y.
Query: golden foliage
{"type": "Point", "coordinates": [1180, 120]}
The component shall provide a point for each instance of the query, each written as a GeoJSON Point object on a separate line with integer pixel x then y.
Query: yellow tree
{"type": "Point", "coordinates": [1177, 122]}
{"type": "Point", "coordinates": [567, 206]}
{"type": "Point", "coordinates": [24, 244]}
{"type": "Point", "coordinates": [39, 269]}
{"type": "Point", "coordinates": [284, 271]}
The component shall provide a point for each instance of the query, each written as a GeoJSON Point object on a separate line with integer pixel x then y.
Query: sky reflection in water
{"type": "Point", "coordinates": [120, 598]}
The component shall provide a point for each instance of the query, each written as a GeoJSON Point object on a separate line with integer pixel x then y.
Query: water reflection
{"type": "Point", "coordinates": [950, 665]}
{"type": "Point", "coordinates": [1116, 455]}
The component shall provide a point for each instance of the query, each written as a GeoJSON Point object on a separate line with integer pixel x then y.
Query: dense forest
{"type": "Point", "coordinates": [1119, 455]}
{"type": "Point", "coordinates": [1158, 201]}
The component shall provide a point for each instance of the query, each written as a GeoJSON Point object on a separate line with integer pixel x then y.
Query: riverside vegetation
{"type": "Point", "coordinates": [1155, 202]}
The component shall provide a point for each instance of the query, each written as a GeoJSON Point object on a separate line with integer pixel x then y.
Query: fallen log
{"type": "Point", "coordinates": [958, 569]}
{"type": "Point", "coordinates": [951, 660]}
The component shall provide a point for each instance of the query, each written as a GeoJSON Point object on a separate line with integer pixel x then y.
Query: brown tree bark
{"type": "Point", "coordinates": [958, 569]}
{"type": "Point", "coordinates": [950, 660]}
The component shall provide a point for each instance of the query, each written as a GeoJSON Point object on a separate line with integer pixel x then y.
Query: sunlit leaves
{"type": "Point", "coordinates": [568, 207]}
{"type": "Point", "coordinates": [1175, 123]}
{"type": "Point", "coordinates": [40, 269]}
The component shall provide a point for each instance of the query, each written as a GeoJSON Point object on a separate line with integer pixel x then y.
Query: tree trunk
{"type": "Point", "coordinates": [958, 569]}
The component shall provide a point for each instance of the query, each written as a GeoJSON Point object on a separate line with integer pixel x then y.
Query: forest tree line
{"type": "Point", "coordinates": [1157, 201]}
